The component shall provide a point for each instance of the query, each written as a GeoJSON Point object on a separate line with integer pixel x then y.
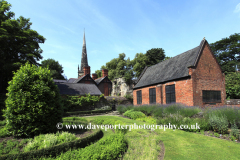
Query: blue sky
{"type": "Point", "coordinates": [126, 26]}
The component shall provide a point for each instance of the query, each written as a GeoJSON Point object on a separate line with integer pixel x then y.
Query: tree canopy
{"type": "Point", "coordinates": [128, 69]}
{"type": "Point", "coordinates": [18, 44]}
{"type": "Point", "coordinates": [227, 52]}
{"type": "Point", "coordinates": [55, 68]}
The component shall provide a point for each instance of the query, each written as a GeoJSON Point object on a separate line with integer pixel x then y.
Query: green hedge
{"type": "Point", "coordinates": [108, 148]}
{"type": "Point", "coordinates": [85, 112]}
{"type": "Point", "coordinates": [72, 102]}
{"type": "Point", "coordinates": [56, 150]}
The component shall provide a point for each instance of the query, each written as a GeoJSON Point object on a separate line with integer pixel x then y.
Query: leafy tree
{"type": "Point", "coordinates": [18, 44]}
{"type": "Point", "coordinates": [99, 73]}
{"type": "Point", "coordinates": [227, 52]}
{"type": "Point", "coordinates": [233, 85]}
{"type": "Point", "coordinates": [55, 68]}
{"type": "Point", "coordinates": [155, 55]}
{"type": "Point", "coordinates": [33, 102]}
{"type": "Point", "coordinates": [152, 57]}
{"type": "Point", "coordinates": [139, 63]}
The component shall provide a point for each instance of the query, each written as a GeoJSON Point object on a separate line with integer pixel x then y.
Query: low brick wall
{"type": "Point", "coordinates": [233, 102]}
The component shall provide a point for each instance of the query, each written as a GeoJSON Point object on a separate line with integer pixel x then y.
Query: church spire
{"type": "Point", "coordinates": [84, 61]}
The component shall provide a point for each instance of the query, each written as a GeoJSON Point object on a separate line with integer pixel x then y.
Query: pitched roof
{"type": "Point", "coordinates": [59, 81]}
{"type": "Point", "coordinates": [173, 68]}
{"type": "Point", "coordinates": [99, 80]}
{"type": "Point", "coordinates": [78, 89]}
{"type": "Point", "coordinates": [71, 80]}
{"type": "Point", "coordinates": [79, 79]}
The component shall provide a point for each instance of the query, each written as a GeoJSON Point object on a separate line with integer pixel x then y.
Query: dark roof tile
{"type": "Point", "coordinates": [78, 89]}
{"type": "Point", "coordinates": [173, 68]}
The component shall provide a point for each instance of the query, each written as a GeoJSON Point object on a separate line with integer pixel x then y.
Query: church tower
{"type": "Point", "coordinates": [84, 61]}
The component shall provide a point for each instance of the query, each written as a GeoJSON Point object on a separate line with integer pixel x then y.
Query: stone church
{"type": "Point", "coordinates": [85, 83]}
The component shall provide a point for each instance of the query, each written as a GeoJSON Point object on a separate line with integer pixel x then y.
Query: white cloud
{"type": "Point", "coordinates": [237, 9]}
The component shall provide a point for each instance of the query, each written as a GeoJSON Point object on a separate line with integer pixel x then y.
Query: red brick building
{"type": "Point", "coordinates": [193, 78]}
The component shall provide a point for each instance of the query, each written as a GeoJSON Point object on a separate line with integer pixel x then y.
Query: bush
{"type": "Point", "coordinates": [184, 111]}
{"type": "Point", "coordinates": [72, 102]}
{"type": "Point", "coordinates": [232, 114]}
{"type": "Point", "coordinates": [107, 148]}
{"type": "Point", "coordinates": [148, 120]}
{"type": "Point", "coordinates": [48, 140]}
{"type": "Point", "coordinates": [122, 109]}
{"type": "Point", "coordinates": [33, 102]}
{"type": "Point", "coordinates": [234, 131]}
{"type": "Point", "coordinates": [219, 123]}
{"type": "Point", "coordinates": [134, 114]}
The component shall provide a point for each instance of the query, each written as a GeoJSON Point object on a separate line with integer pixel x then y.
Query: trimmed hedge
{"type": "Point", "coordinates": [85, 112]}
{"type": "Point", "coordinates": [56, 150]}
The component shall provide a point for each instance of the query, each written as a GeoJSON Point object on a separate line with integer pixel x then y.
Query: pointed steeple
{"type": "Point", "coordinates": [84, 61]}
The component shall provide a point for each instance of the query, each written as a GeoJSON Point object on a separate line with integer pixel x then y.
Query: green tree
{"type": "Point", "coordinates": [152, 57]}
{"type": "Point", "coordinates": [33, 102]}
{"type": "Point", "coordinates": [155, 55]}
{"type": "Point", "coordinates": [18, 44]}
{"type": "Point", "coordinates": [99, 73]}
{"type": "Point", "coordinates": [139, 63]}
{"type": "Point", "coordinates": [55, 68]}
{"type": "Point", "coordinates": [227, 52]}
{"type": "Point", "coordinates": [233, 85]}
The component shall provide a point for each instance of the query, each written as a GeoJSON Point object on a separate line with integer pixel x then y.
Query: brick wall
{"type": "Point", "coordinates": [207, 76]}
{"type": "Point", "coordinates": [183, 92]}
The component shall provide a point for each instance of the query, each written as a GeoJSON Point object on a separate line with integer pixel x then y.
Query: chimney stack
{"type": "Point", "coordinates": [86, 70]}
{"type": "Point", "coordinates": [94, 76]}
{"type": "Point", "coordinates": [104, 72]}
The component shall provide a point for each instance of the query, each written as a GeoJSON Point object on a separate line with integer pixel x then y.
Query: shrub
{"type": "Point", "coordinates": [122, 109]}
{"type": "Point", "coordinates": [134, 114]}
{"type": "Point", "coordinates": [72, 102]}
{"type": "Point", "coordinates": [48, 140]}
{"type": "Point", "coordinates": [148, 120]}
{"type": "Point", "coordinates": [218, 123]}
{"type": "Point", "coordinates": [107, 148]}
{"type": "Point", "coordinates": [234, 131]}
{"type": "Point", "coordinates": [33, 102]}
{"type": "Point", "coordinates": [184, 111]}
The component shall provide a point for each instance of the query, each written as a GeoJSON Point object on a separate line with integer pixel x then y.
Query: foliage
{"type": "Point", "coordinates": [48, 140]}
{"type": "Point", "coordinates": [11, 146]}
{"type": "Point", "coordinates": [33, 102]}
{"type": "Point", "coordinates": [99, 73]}
{"type": "Point", "coordinates": [184, 111]}
{"type": "Point", "coordinates": [2, 105]}
{"type": "Point", "coordinates": [122, 108]}
{"type": "Point", "coordinates": [219, 123]}
{"type": "Point", "coordinates": [233, 85]}
{"type": "Point", "coordinates": [217, 135]}
{"type": "Point", "coordinates": [232, 114]}
{"type": "Point", "coordinates": [134, 114]}
{"type": "Point", "coordinates": [148, 120]}
{"type": "Point", "coordinates": [107, 148]}
{"type": "Point", "coordinates": [55, 68]}
{"type": "Point", "coordinates": [139, 63]}
{"type": "Point", "coordinates": [18, 44]}
{"type": "Point", "coordinates": [227, 52]}
{"type": "Point", "coordinates": [234, 131]}
{"type": "Point", "coordinates": [155, 55]}
{"type": "Point", "coordinates": [71, 102]}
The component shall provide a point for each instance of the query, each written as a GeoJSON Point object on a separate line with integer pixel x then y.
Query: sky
{"type": "Point", "coordinates": [125, 26]}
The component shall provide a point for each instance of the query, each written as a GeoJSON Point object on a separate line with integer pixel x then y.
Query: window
{"type": "Point", "coordinates": [139, 97]}
{"type": "Point", "coordinates": [211, 96]}
{"type": "Point", "coordinates": [152, 95]}
{"type": "Point", "coordinates": [170, 94]}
